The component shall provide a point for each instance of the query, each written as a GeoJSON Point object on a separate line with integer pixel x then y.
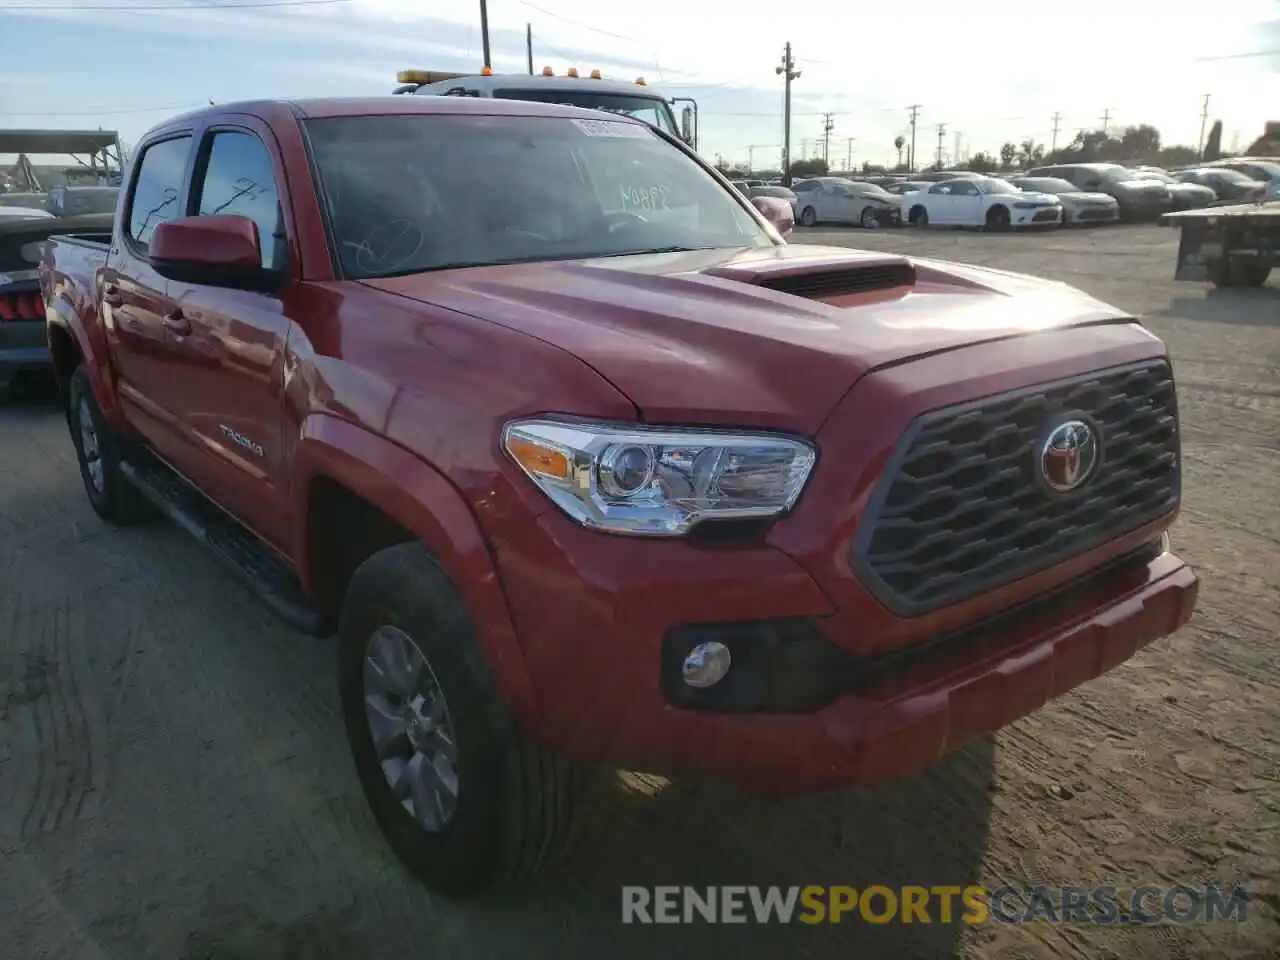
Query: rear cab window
{"type": "Point", "coordinates": [157, 189]}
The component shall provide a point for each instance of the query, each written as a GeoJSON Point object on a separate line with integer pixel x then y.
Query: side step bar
{"type": "Point", "coordinates": [240, 552]}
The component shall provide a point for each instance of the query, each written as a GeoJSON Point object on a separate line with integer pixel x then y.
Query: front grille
{"type": "Point", "coordinates": [1041, 215]}
{"type": "Point", "coordinates": [1094, 213]}
{"type": "Point", "coordinates": [960, 509]}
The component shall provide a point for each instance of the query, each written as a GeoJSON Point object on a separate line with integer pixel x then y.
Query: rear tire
{"type": "Point", "coordinates": [1245, 274]}
{"type": "Point", "coordinates": [98, 451]}
{"type": "Point", "coordinates": [512, 803]}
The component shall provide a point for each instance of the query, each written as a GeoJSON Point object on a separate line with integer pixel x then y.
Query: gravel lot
{"type": "Point", "coordinates": [174, 782]}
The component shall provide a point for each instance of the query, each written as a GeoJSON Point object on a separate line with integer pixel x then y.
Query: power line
{"type": "Point", "coordinates": [942, 132]}
{"type": "Point", "coordinates": [1240, 56]}
{"type": "Point", "coordinates": [251, 5]}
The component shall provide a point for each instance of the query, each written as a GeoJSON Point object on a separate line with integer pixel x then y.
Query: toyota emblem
{"type": "Point", "coordinates": [1069, 456]}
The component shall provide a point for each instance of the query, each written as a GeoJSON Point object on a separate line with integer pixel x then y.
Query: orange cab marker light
{"type": "Point", "coordinates": [595, 74]}
{"type": "Point", "coordinates": [411, 76]}
{"type": "Point", "coordinates": [639, 81]}
{"type": "Point", "coordinates": [539, 460]}
{"type": "Point", "coordinates": [572, 72]}
{"type": "Point", "coordinates": [487, 72]}
{"type": "Point", "coordinates": [548, 72]}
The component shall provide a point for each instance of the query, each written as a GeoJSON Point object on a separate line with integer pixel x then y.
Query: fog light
{"type": "Point", "coordinates": [706, 665]}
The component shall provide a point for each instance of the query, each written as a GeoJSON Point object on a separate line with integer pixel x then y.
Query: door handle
{"type": "Point", "coordinates": [111, 296]}
{"type": "Point", "coordinates": [177, 324]}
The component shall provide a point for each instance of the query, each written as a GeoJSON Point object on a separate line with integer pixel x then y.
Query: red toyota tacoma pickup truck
{"type": "Point", "coordinates": [585, 464]}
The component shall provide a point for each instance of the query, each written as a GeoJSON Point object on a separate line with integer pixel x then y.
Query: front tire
{"type": "Point", "coordinates": [808, 217]}
{"type": "Point", "coordinates": [869, 219]}
{"type": "Point", "coordinates": [98, 451]}
{"type": "Point", "coordinates": [1246, 274]}
{"type": "Point", "coordinates": [462, 799]}
{"type": "Point", "coordinates": [997, 219]}
{"type": "Point", "coordinates": [919, 217]}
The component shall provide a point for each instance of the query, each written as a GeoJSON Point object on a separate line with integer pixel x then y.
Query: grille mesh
{"type": "Point", "coordinates": [960, 510]}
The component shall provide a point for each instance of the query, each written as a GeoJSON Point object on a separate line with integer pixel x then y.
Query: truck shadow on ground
{"type": "Point", "coordinates": [928, 830]}
{"type": "Point", "coordinates": [1239, 307]}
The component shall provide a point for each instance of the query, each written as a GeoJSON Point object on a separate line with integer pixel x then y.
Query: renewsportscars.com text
{"type": "Point", "coordinates": [972, 905]}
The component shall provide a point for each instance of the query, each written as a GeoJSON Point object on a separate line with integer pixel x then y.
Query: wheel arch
{"type": "Point", "coordinates": [396, 496]}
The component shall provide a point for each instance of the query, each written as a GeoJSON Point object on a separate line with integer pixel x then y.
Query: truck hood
{"type": "Point", "coordinates": [768, 338]}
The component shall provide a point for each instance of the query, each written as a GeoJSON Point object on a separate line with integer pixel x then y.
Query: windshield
{"type": "Point", "coordinates": [1228, 176]}
{"type": "Point", "coordinates": [406, 194]}
{"type": "Point", "coordinates": [652, 110]}
{"type": "Point", "coordinates": [997, 186]}
{"type": "Point", "coordinates": [863, 189]}
{"type": "Point", "coordinates": [1155, 175]}
{"type": "Point", "coordinates": [1048, 185]}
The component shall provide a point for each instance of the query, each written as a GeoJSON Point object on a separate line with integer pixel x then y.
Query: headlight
{"type": "Point", "coordinates": [639, 480]}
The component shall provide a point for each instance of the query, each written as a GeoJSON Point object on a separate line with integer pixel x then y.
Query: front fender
{"type": "Point", "coordinates": [423, 501]}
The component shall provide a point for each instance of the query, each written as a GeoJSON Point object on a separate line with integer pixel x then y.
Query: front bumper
{"type": "Point", "coordinates": [23, 348]}
{"type": "Point", "coordinates": [1037, 217]}
{"type": "Point", "coordinates": [592, 620]}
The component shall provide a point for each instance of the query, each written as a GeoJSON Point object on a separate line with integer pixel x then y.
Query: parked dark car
{"type": "Point", "coordinates": [1230, 186]}
{"type": "Point", "coordinates": [1140, 197]}
{"type": "Point", "coordinates": [23, 345]}
{"type": "Point", "coordinates": [1187, 195]}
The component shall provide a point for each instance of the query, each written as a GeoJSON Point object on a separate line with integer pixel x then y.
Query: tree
{"type": "Point", "coordinates": [1213, 146]}
{"type": "Point", "coordinates": [1268, 144]}
{"type": "Point", "coordinates": [982, 162]}
{"type": "Point", "coordinates": [898, 143]}
{"type": "Point", "coordinates": [1008, 154]}
{"type": "Point", "coordinates": [1030, 154]}
{"type": "Point", "coordinates": [814, 167]}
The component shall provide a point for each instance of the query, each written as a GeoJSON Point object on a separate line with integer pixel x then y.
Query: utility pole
{"type": "Point", "coordinates": [955, 155]}
{"type": "Point", "coordinates": [848, 158]}
{"type": "Point", "coordinates": [1057, 125]}
{"type": "Point", "coordinates": [528, 45]}
{"type": "Point", "coordinates": [787, 70]}
{"type": "Point", "coordinates": [828, 124]}
{"type": "Point", "coordinates": [1204, 118]}
{"type": "Point", "coordinates": [804, 149]}
{"type": "Point", "coordinates": [911, 152]}
{"type": "Point", "coordinates": [942, 132]}
{"type": "Point", "coordinates": [1106, 121]}
{"type": "Point", "coordinates": [484, 30]}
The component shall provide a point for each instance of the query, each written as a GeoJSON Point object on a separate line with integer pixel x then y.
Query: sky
{"type": "Point", "coordinates": [989, 71]}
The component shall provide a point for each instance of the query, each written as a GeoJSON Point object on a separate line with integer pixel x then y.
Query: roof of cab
{"type": "Point", "coordinates": [521, 81]}
{"type": "Point", "coordinates": [392, 105]}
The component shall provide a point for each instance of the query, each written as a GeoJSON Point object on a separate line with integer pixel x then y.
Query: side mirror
{"type": "Point", "coordinates": [686, 125]}
{"type": "Point", "coordinates": [778, 212]}
{"type": "Point", "coordinates": [219, 251]}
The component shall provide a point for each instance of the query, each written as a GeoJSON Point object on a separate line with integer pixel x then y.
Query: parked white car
{"type": "Point", "coordinates": [1078, 206]}
{"type": "Point", "coordinates": [980, 202]}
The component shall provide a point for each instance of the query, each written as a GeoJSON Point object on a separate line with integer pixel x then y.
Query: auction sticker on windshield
{"type": "Point", "coordinates": [613, 128]}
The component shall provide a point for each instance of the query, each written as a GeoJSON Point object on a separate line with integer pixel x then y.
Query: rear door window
{"type": "Point", "coordinates": [157, 190]}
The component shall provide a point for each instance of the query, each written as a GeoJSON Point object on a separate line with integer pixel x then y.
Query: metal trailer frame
{"type": "Point", "coordinates": [1227, 245]}
{"type": "Point", "coordinates": [94, 150]}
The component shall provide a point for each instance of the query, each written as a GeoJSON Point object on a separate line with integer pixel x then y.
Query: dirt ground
{"type": "Point", "coordinates": [174, 781]}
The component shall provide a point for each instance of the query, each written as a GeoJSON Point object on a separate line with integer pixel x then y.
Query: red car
{"type": "Point", "coordinates": [585, 464]}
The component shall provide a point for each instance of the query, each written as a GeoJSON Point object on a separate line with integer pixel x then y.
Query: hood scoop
{"type": "Point", "coordinates": [827, 281]}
